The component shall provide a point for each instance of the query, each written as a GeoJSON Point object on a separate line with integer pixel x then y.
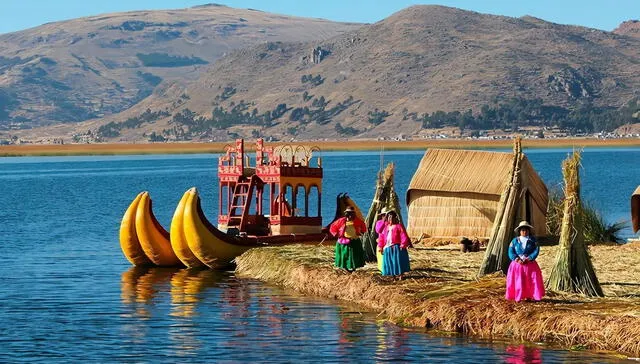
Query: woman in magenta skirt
{"type": "Point", "coordinates": [524, 279]}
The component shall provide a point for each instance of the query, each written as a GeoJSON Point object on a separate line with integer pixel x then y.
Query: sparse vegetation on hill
{"type": "Point", "coordinates": [188, 125]}
{"type": "Point", "coordinates": [166, 60]}
{"type": "Point", "coordinates": [113, 129]}
{"type": "Point", "coordinates": [94, 67]}
{"type": "Point", "coordinates": [427, 67]}
{"type": "Point", "coordinates": [516, 113]}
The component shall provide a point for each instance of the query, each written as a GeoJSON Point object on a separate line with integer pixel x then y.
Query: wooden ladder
{"type": "Point", "coordinates": [241, 200]}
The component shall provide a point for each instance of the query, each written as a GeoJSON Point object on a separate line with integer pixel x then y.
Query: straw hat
{"type": "Point", "coordinates": [385, 210]}
{"type": "Point", "coordinates": [522, 224]}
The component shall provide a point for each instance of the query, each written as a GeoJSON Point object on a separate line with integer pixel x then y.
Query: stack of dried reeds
{"type": "Point", "coordinates": [385, 196]}
{"type": "Point", "coordinates": [573, 270]}
{"type": "Point", "coordinates": [496, 256]}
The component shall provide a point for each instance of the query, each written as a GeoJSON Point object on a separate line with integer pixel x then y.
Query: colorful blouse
{"type": "Point", "coordinates": [340, 229]}
{"type": "Point", "coordinates": [393, 235]}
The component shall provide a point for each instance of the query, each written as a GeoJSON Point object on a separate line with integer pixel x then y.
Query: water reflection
{"type": "Point", "coordinates": [392, 342]}
{"type": "Point", "coordinates": [521, 354]}
{"type": "Point", "coordinates": [188, 315]}
{"type": "Point", "coordinates": [186, 287]}
{"type": "Point", "coordinates": [188, 290]}
{"type": "Point", "coordinates": [140, 286]}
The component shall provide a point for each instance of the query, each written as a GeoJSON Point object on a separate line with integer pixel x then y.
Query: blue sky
{"type": "Point", "coordinates": [606, 15]}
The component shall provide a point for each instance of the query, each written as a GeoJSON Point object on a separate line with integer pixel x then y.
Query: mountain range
{"type": "Point", "coordinates": [214, 72]}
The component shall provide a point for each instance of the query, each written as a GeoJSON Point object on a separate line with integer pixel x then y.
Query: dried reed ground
{"type": "Point", "coordinates": [442, 293]}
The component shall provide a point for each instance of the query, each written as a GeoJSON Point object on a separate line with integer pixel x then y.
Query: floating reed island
{"type": "Point", "coordinates": [442, 292]}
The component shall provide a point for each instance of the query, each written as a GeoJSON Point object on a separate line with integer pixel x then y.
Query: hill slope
{"type": "Point", "coordinates": [90, 67]}
{"type": "Point", "coordinates": [390, 78]}
{"type": "Point", "coordinates": [376, 79]}
{"type": "Point", "coordinates": [630, 28]}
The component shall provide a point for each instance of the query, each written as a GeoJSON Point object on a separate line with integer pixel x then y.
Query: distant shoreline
{"type": "Point", "coordinates": [336, 145]}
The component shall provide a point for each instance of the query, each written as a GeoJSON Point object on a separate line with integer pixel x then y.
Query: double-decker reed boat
{"type": "Point", "coordinates": [276, 201]}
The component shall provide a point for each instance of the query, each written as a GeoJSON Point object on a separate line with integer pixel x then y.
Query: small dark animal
{"type": "Point", "coordinates": [467, 245]}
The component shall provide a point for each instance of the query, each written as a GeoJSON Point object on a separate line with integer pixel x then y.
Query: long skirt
{"type": "Point", "coordinates": [524, 281]}
{"type": "Point", "coordinates": [350, 256]}
{"type": "Point", "coordinates": [395, 261]}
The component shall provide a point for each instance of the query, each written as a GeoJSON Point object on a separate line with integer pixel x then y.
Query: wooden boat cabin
{"type": "Point", "coordinates": [280, 194]}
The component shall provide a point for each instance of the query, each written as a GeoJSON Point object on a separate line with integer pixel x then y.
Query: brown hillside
{"type": "Point", "coordinates": [90, 67]}
{"type": "Point", "coordinates": [422, 59]}
{"type": "Point", "coordinates": [630, 27]}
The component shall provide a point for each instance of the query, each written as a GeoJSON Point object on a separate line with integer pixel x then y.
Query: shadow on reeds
{"type": "Point", "coordinates": [620, 284]}
{"type": "Point", "coordinates": [560, 301]}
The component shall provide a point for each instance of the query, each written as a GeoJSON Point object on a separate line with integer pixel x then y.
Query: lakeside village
{"type": "Point", "coordinates": [535, 267]}
{"type": "Point", "coordinates": [441, 134]}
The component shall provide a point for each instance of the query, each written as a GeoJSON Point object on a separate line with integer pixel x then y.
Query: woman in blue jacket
{"type": "Point", "coordinates": [524, 278]}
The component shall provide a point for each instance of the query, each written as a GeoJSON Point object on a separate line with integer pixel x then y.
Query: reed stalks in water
{"type": "Point", "coordinates": [573, 270]}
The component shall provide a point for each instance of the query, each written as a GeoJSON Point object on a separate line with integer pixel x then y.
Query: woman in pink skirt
{"type": "Point", "coordinates": [524, 279]}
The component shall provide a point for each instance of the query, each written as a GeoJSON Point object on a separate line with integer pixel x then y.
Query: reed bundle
{"type": "Point", "coordinates": [385, 196]}
{"type": "Point", "coordinates": [496, 256]}
{"type": "Point", "coordinates": [596, 229]}
{"type": "Point", "coordinates": [573, 270]}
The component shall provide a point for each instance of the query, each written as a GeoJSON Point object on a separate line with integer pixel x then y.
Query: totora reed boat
{"type": "Point", "coordinates": [275, 202]}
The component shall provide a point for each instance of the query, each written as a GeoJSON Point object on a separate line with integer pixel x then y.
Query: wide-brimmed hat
{"type": "Point", "coordinates": [385, 210]}
{"type": "Point", "coordinates": [522, 224]}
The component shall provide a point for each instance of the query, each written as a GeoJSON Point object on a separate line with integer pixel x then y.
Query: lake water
{"type": "Point", "coordinates": [68, 293]}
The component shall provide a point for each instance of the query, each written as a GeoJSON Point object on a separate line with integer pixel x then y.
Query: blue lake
{"type": "Point", "coordinates": [68, 293]}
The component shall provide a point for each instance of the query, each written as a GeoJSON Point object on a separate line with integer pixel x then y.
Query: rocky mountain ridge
{"type": "Point", "coordinates": [92, 67]}
{"type": "Point", "coordinates": [422, 68]}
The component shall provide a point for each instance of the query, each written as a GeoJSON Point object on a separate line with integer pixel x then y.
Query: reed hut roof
{"type": "Point", "coordinates": [484, 172]}
{"type": "Point", "coordinates": [635, 210]}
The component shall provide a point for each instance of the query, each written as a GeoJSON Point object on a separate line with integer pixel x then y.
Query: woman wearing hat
{"type": "Point", "coordinates": [524, 278]}
{"type": "Point", "coordinates": [393, 243]}
{"type": "Point", "coordinates": [349, 251]}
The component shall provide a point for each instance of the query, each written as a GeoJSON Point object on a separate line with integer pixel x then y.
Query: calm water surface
{"type": "Point", "coordinates": [68, 294]}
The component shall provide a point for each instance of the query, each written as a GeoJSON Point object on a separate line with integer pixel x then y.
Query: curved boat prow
{"type": "Point", "coordinates": [178, 240]}
{"type": "Point", "coordinates": [153, 238]}
{"type": "Point", "coordinates": [206, 242]}
{"type": "Point", "coordinates": [129, 237]}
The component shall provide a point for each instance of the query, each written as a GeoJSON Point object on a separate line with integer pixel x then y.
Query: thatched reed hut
{"type": "Point", "coordinates": [456, 193]}
{"type": "Point", "coordinates": [635, 210]}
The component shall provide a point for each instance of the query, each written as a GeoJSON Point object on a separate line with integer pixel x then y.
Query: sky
{"type": "Point", "coordinates": [600, 14]}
